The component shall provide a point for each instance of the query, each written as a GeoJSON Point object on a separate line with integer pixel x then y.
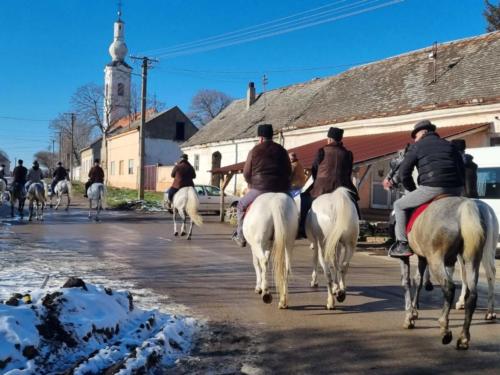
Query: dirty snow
{"type": "Point", "coordinates": [89, 331]}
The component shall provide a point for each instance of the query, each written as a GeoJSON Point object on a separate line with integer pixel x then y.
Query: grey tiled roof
{"type": "Point", "coordinates": [468, 73]}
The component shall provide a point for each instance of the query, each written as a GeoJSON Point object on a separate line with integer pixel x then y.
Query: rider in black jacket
{"type": "Point", "coordinates": [60, 174]}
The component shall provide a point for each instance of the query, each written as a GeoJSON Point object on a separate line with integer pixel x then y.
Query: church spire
{"type": "Point", "coordinates": [118, 49]}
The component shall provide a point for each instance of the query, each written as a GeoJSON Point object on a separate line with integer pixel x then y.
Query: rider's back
{"type": "Point", "coordinates": [96, 174]}
{"type": "Point", "coordinates": [60, 173]}
{"type": "Point", "coordinates": [268, 168]}
{"type": "Point", "coordinates": [438, 162]}
{"type": "Point", "coordinates": [19, 174]}
{"type": "Point", "coordinates": [183, 174]}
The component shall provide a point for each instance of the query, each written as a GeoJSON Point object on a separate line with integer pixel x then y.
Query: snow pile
{"type": "Point", "coordinates": [87, 329]}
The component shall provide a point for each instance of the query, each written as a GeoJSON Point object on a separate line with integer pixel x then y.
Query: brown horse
{"type": "Point", "coordinates": [448, 228]}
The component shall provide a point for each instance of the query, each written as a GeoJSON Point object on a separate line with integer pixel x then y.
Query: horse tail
{"type": "Point", "coordinates": [278, 253]}
{"type": "Point", "coordinates": [343, 214]}
{"type": "Point", "coordinates": [192, 207]}
{"type": "Point", "coordinates": [471, 228]}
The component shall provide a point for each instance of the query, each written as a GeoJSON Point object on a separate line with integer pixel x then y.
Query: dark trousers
{"type": "Point", "coordinates": [54, 183]}
{"type": "Point", "coordinates": [88, 184]}
{"type": "Point", "coordinates": [171, 193]}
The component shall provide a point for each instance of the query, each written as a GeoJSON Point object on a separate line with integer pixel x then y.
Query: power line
{"type": "Point", "coordinates": [298, 24]}
{"type": "Point", "coordinates": [22, 119]}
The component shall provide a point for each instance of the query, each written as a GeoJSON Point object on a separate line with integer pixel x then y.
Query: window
{"type": "Point", "coordinates": [130, 166]}
{"type": "Point", "coordinates": [179, 131]}
{"type": "Point", "coordinates": [196, 162]}
{"type": "Point", "coordinates": [495, 141]}
{"type": "Point", "coordinates": [199, 190]}
{"type": "Point", "coordinates": [488, 183]}
{"type": "Point", "coordinates": [120, 167]}
{"type": "Point", "coordinates": [121, 89]}
{"type": "Point", "coordinates": [112, 168]}
{"type": "Point", "coordinates": [212, 191]}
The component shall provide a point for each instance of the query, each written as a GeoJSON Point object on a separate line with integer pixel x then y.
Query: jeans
{"type": "Point", "coordinates": [170, 194]}
{"type": "Point", "coordinates": [421, 195]}
{"type": "Point", "coordinates": [243, 204]}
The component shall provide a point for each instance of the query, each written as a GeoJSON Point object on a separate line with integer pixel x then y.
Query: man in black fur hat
{"type": "Point", "coordinates": [331, 169]}
{"type": "Point", "coordinates": [267, 170]}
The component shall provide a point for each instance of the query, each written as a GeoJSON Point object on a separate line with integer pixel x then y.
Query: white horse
{"type": "Point", "coordinates": [4, 193]}
{"type": "Point", "coordinates": [186, 203]}
{"type": "Point", "coordinates": [270, 227]}
{"type": "Point", "coordinates": [63, 187]}
{"type": "Point", "coordinates": [96, 192]}
{"type": "Point", "coordinates": [37, 197]}
{"type": "Point", "coordinates": [332, 226]}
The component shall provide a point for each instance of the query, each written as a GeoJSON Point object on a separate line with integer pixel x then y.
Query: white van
{"type": "Point", "coordinates": [488, 175]}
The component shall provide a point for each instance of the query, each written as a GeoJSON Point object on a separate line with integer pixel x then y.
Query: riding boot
{"type": "Point", "coordinates": [400, 249]}
{"type": "Point", "coordinates": [305, 205]}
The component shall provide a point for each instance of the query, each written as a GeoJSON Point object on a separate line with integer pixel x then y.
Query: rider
{"type": "Point", "coordinates": [331, 169]}
{"type": "Point", "coordinates": [19, 176]}
{"type": "Point", "coordinates": [298, 175]}
{"type": "Point", "coordinates": [440, 171]}
{"type": "Point", "coordinates": [267, 169]}
{"type": "Point", "coordinates": [35, 174]}
{"type": "Point", "coordinates": [470, 178]}
{"type": "Point", "coordinates": [96, 175]}
{"type": "Point", "coordinates": [2, 174]}
{"type": "Point", "coordinates": [60, 174]}
{"type": "Point", "coordinates": [183, 175]}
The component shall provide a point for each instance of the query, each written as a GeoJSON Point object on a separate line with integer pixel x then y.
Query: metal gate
{"type": "Point", "coordinates": [150, 172]}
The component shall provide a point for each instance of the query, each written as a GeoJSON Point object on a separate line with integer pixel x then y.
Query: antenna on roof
{"type": "Point", "coordinates": [433, 56]}
{"type": "Point", "coordinates": [265, 81]}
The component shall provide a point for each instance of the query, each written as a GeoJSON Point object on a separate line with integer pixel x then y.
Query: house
{"type": "Point", "coordinates": [454, 84]}
{"type": "Point", "coordinates": [4, 159]}
{"type": "Point", "coordinates": [163, 134]}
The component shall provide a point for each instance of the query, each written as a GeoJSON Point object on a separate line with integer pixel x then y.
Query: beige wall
{"type": "Point", "coordinates": [121, 149]}
{"type": "Point", "coordinates": [87, 160]}
{"type": "Point", "coordinates": [163, 178]}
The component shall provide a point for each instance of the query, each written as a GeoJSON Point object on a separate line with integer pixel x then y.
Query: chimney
{"type": "Point", "coordinates": [250, 94]}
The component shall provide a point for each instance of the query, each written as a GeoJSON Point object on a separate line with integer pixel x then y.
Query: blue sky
{"type": "Point", "coordinates": [50, 48]}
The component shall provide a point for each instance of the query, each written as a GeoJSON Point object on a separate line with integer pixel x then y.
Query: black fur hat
{"type": "Point", "coordinates": [336, 134]}
{"type": "Point", "coordinates": [265, 130]}
{"type": "Point", "coordinates": [421, 125]}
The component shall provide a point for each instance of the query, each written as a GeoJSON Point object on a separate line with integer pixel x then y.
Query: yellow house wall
{"type": "Point", "coordinates": [163, 177]}
{"type": "Point", "coordinates": [123, 148]}
{"type": "Point", "coordinates": [86, 163]}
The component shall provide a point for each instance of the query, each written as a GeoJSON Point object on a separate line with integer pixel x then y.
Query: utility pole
{"type": "Point", "coordinates": [60, 146]}
{"type": "Point", "coordinates": [53, 154]}
{"type": "Point", "coordinates": [73, 118]}
{"type": "Point", "coordinates": [146, 61]}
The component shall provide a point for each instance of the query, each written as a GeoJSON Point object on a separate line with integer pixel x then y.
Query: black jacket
{"type": "Point", "coordinates": [20, 172]}
{"type": "Point", "coordinates": [60, 173]}
{"type": "Point", "coordinates": [438, 162]}
{"type": "Point", "coordinates": [470, 177]}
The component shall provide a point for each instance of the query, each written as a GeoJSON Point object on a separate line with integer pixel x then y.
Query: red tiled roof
{"type": "Point", "coordinates": [127, 120]}
{"type": "Point", "coordinates": [363, 147]}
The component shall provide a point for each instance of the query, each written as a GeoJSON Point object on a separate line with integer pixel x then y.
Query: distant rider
{"type": "Point", "coordinates": [35, 175]}
{"type": "Point", "coordinates": [96, 176]}
{"type": "Point", "coordinates": [2, 174]}
{"type": "Point", "coordinates": [183, 175]}
{"type": "Point", "coordinates": [440, 171]}
{"type": "Point", "coordinates": [299, 177]}
{"type": "Point", "coordinates": [19, 177]}
{"type": "Point", "coordinates": [331, 169]}
{"type": "Point", "coordinates": [267, 169]}
{"type": "Point", "coordinates": [60, 174]}
{"type": "Point", "coordinates": [470, 177]}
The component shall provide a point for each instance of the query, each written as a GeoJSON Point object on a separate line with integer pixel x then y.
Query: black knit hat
{"type": "Point", "coordinates": [336, 134]}
{"type": "Point", "coordinates": [265, 130]}
{"type": "Point", "coordinates": [459, 144]}
{"type": "Point", "coordinates": [97, 161]}
{"type": "Point", "coordinates": [422, 125]}
{"type": "Point", "coordinates": [184, 157]}
{"type": "Point", "coordinates": [59, 163]}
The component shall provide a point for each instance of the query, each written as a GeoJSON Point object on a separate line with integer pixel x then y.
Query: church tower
{"type": "Point", "coordinates": [117, 77]}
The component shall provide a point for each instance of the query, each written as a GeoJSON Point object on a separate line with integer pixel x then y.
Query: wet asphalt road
{"type": "Point", "coordinates": [212, 279]}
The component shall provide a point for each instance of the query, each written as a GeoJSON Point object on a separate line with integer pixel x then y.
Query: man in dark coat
{"type": "Point", "coordinates": [470, 177]}
{"type": "Point", "coordinates": [183, 175]}
{"type": "Point", "coordinates": [96, 175]}
{"type": "Point", "coordinates": [19, 175]}
{"type": "Point", "coordinates": [331, 169]}
{"type": "Point", "coordinates": [440, 171]}
{"type": "Point", "coordinates": [60, 174]}
{"type": "Point", "coordinates": [267, 170]}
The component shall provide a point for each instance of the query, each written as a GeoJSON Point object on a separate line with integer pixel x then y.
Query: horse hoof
{"type": "Point", "coordinates": [414, 314]}
{"type": "Point", "coordinates": [188, 238]}
{"type": "Point", "coordinates": [447, 337]}
{"type": "Point", "coordinates": [462, 344]}
{"type": "Point", "coordinates": [183, 234]}
{"type": "Point", "coordinates": [490, 316]}
{"type": "Point", "coordinates": [429, 287]}
{"type": "Point", "coordinates": [176, 234]}
{"type": "Point", "coordinates": [258, 291]}
{"type": "Point", "coordinates": [340, 296]}
{"type": "Point", "coordinates": [267, 298]}
{"type": "Point", "coordinates": [330, 307]}
{"type": "Point", "coordinates": [410, 324]}
{"type": "Point", "coordinates": [314, 284]}
{"type": "Point", "coordinates": [282, 306]}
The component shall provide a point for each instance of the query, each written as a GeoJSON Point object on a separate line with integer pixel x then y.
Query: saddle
{"type": "Point", "coordinates": [420, 210]}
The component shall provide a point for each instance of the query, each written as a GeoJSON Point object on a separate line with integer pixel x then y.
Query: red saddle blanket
{"type": "Point", "coordinates": [414, 216]}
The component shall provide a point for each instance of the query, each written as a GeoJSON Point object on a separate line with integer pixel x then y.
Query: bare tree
{"type": "Point", "coordinates": [45, 158]}
{"type": "Point", "coordinates": [151, 101]}
{"type": "Point", "coordinates": [88, 103]}
{"type": "Point", "coordinates": [71, 140]}
{"type": "Point", "coordinates": [207, 104]}
{"type": "Point", "coordinates": [492, 15]}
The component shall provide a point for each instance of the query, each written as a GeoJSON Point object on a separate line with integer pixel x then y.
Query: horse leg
{"type": "Point", "coordinates": [69, 202]}
{"type": "Point", "coordinates": [30, 207]}
{"type": "Point", "coordinates": [175, 223]}
{"type": "Point", "coordinates": [427, 280]}
{"type": "Point", "coordinates": [98, 209]}
{"type": "Point", "coordinates": [330, 300]}
{"type": "Point", "coordinates": [472, 271]}
{"type": "Point", "coordinates": [258, 282]}
{"type": "Point", "coordinates": [461, 300]}
{"type": "Point", "coordinates": [183, 225]}
{"type": "Point", "coordinates": [58, 201]}
{"type": "Point", "coordinates": [41, 216]}
{"type": "Point", "coordinates": [12, 207]}
{"type": "Point", "coordinates": [283, 304]}
{"type": "Point", "coordinates": [409, 321]}
{"type": "Point", "coordinates": [346, 255]}
{"type": "Point", "coordinates": [490, 269]}
{"type": "Point", "coordinates": [419, 281]}
{"type": "Point", "coordinates": [190, 228]}
{"type": "Point", "coordinates": [90, 208]}
{"type": "Point", "coordinates": [263, 261]}
{"type": "Point", "coordinates": [314, 276]}
{"type": "Point", "coordinates": [445, 278]}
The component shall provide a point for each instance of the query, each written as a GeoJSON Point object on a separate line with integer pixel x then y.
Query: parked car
{"type": "Point", "coordinates": [209, 197]}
